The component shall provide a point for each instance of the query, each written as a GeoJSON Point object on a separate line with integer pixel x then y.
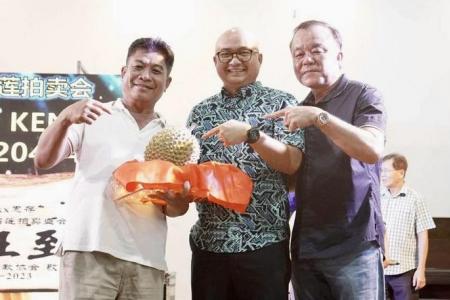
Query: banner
{"type": "Point", "coordinates": [32, 201]}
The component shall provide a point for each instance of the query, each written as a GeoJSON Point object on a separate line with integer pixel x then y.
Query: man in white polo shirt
{"type": "Point", "coordinates": [110, 251]}
{"type": "Point", "coordinates": [407, 223]}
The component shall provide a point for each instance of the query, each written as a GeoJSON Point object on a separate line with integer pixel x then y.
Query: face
{"type": "Point", "coordinates": [236, 73]}
{"type": "Point", "coordinates": [316, 57]}
{"type": "Point", "coordinates": [145, 78]}
{"type": "Point", "coordinates": [391, 177]}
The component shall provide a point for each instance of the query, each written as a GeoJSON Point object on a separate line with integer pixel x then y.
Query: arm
{"type": "Point", "coordinates": [279, 156]}
{"type": "Point", "coordinates": [419, 279]}
{"type": "Point", "coordinates": [362, 143]}
{"type": "Point", "coordinates": [53, 145]}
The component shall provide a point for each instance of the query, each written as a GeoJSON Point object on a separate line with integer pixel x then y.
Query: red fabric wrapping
{"type": "Point", "coordinates": [223, 184]}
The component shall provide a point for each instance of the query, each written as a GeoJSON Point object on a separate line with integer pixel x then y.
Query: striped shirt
{"type": "Point", "coordinates": [405, 215]}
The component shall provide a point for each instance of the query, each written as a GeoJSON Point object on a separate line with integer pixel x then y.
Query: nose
{"type": "Point", "coordinates": [308, 58]}
{"type": "Point", "coordinates": [234, 59]}
{"type": "Point", "coordinates": [145, 74]}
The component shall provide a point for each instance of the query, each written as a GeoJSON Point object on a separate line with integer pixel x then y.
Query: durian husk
{"type": "Point", "coordinates": [176, 145]}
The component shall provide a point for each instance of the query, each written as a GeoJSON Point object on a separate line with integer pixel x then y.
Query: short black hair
{"type": "Point", "coordinates": [307, 24]}
{"type": "Point", "coordinates": [153, 45]}
{"type": "Point", "coordinates": [399, 161]}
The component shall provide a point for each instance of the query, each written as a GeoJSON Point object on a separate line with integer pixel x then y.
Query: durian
{"type": "Point", "coordinates": [176, 145]}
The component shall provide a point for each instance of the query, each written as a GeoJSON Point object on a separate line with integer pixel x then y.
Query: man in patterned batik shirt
{"type": "Point", "coordinates": [244, 256]}
{"type": "Point", "coordinates": [407, 223]}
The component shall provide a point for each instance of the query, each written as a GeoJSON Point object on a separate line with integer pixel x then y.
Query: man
{"type": "Point", "coordinates": [338, 228]}
{"type": "Point", "coordinates": [110, 252]}
{"type": "Point", "coordinates": [407, 223]}
{"type": "Point", "coordinates": [244, 256]}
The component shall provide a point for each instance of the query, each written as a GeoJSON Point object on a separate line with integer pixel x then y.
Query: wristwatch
{"type": "Point", "coordinates": [322, 119]}
{"type": "Point", "coordinates": [252, 135]}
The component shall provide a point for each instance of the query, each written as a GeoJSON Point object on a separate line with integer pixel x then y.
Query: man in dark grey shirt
{"type": "Point", "coordinates": [338, 231]}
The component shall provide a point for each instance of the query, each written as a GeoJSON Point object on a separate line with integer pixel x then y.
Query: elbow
{"type": "Point", "coordinates": [373, 155]}
{"type": "Point", "coordinates": [41, 162]}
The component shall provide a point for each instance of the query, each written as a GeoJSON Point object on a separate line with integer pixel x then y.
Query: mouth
{"type": "Point", "coordinates": [236, 71]}
{"type": "Point", "coordinates": [143, 86]}
{"type": "Point", "coordinates": [309, 71]}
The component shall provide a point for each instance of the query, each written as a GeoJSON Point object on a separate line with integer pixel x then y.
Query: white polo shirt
{"type": "Point", "coordinates": [95, 222]}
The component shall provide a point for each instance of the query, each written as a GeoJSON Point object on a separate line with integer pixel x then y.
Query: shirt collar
{"type": "Point", "coordinates": [339, 87]}
{"type": "Point", "coordinates": [243, 92]}
{"type": "Point", "coordinates": [401, 193]}
{"type": "Point", "coordinates": [118, 104]}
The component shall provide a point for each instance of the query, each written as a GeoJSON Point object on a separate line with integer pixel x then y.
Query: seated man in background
{"type": "Point", "coordinates": [407, 223]}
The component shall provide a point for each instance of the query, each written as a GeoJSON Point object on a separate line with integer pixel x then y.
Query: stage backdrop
{"type": "Point", "coordinates": [32, 201]}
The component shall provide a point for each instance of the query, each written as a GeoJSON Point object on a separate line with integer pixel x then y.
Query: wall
{"type": "Point", "coordinates": [400, 46]}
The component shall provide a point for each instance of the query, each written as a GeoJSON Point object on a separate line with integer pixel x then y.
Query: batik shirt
{"type": "Point", "coordinates": [265, 221]}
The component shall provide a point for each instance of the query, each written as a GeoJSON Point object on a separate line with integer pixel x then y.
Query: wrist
{"type": "Point", "coordinates": [253, 135]}
{"type": "Point", "coordinates": [322, 119]}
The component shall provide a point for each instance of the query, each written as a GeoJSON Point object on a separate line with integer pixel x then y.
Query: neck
{"type": "Point", "coordinates": [233, 90]}
{"type": "Point", "coordinates": [322, 91]}
{"type": "Point", "coordinates": [141, 112]}
{"type": "Point", "coordinates": [140, 107]}
{"type": "Point", "coordinates": [395, 189]}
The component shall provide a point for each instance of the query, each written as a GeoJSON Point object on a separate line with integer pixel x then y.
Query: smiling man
{"type": "Point", "coordinates": [108, 251]}
{"type": "Point", "coordinates": [244, 256]}
{"type": "Point", "coordinates": [338, 228]}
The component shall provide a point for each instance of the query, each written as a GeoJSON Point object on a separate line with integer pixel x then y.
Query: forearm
{"type": "Point", "coordinates": [364, 144]}
{"type": "Point", "coordinates": [53, 145]}
{"type": "Point", "coordinates": [422, 249]}
{"type": "Point", "coordinates": [279, 156]}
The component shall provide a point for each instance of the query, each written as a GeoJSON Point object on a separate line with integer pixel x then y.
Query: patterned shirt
{"type": "Point", "coordinates": [265, 222]}
{"type": "Point", "coordinates": [405, 215]}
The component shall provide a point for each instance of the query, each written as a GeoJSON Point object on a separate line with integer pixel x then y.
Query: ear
{"type": "Point", "coordinates": [215, 59]}
{"type": "Point", "coordinates": [340, 58]}
{"type": "Point", "coordinates": [403, 173]}
{"type": "Point", "coordinates": [123, 71]}
{"type": "Point", "coordinates": [260, 58]}
{"type": "Point", "coordinates": [169, 80]}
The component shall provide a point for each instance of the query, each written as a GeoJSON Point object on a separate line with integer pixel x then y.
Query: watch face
{"type": "Point", "coordinates": [323, 118]}
{"type": "Point", "coordinates": [252, 135]}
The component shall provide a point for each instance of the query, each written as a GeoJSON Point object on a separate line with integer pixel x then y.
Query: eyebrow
{"type": "Point", "coordinates": [237, 49]}
{"type": "Point", "coordinates": [140, 61]}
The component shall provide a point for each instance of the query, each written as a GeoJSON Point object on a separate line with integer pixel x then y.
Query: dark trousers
{"type": "Point", "coordinates": [356, 275]}
{"type": "Point", "coordinates": [399, 287]}
{"type": "Point", "coordinates": [262, 274]}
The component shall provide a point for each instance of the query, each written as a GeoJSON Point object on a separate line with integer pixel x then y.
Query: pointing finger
{"type": "Point", "coordinates": [277, 114]}
{"type": "Point", "coordinates": [210, 133]}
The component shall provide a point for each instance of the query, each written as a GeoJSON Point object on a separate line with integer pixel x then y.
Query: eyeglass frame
{"type": "Point", "coordinates": [236, 53]}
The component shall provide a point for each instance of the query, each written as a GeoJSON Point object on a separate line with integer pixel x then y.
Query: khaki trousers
{"type": "Point", "coordinates": [100, 276]}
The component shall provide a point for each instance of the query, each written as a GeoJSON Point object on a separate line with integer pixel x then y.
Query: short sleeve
{"type": "Point", "coordinates": [295, 138]}
{"type": "Point", "coordinates": [424, 221]}
{"type": "Point", "coordinates": [370, 110]}
{"type": "Point", "coordinates": [75, 137]}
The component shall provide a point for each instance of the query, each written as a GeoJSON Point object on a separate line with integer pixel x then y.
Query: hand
{"type": "Point", "coordinates": [176, 203]}
{"type": "Point", "coordinates": [419, 280]}
{"type": "Point", "coordinates": [389, 262]}
{"type": "Point", "coordinates": [84, 111]}
{"type": "Point", "coordinates": [232, 132]}
{"type": "Point", "coordinates": [297, 116]}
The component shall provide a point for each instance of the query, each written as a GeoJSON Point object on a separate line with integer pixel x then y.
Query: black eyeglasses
{"type": "Point", "coordinates": [243, 54]}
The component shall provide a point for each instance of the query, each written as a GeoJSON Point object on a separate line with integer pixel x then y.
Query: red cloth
{"type": "Point", "coordinates": [223, 184]}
